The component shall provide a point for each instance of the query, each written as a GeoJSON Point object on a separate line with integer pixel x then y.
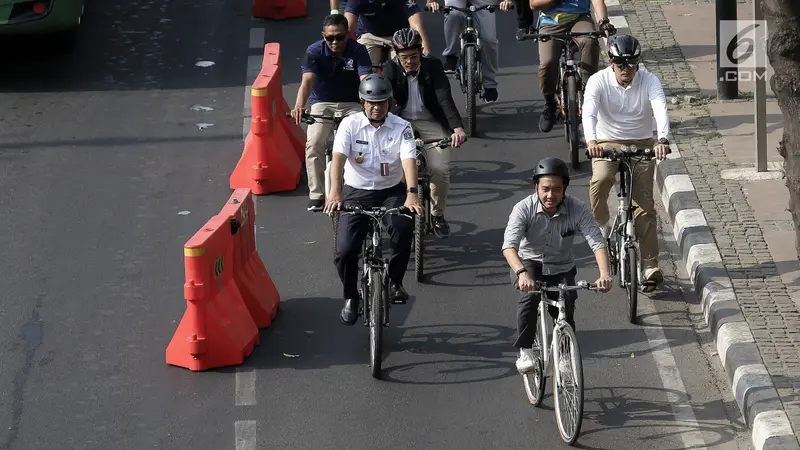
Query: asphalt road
{"type": "Point", "coordinates": [102, 156]}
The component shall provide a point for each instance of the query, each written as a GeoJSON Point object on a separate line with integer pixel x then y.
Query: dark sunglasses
{"type": "Point", "coordinates": [623, 62]}
{"type": "Point", "coordinates": [335, 37]}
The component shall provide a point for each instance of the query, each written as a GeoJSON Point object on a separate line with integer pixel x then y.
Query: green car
{"type": "Point", "coordinates": [18, 17]}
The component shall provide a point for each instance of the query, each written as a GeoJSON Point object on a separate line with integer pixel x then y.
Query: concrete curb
{"type": "Point", "coordinates": [749, 379]}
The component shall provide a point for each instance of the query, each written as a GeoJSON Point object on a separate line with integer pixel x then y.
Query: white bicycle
{"type": "Point", "coordinates": [560, 345]}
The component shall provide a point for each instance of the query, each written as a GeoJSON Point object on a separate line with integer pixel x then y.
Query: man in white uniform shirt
{"type": "Point", "coordinates": [373, 150]}
{"type": "Point", "coordinates": [618, 108]}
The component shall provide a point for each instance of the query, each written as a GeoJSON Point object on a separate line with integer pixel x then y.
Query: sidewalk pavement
{"type": "Point", "coordinates": [733, 225]}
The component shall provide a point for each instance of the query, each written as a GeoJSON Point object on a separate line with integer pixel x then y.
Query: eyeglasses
{"type": "Point", "coordinates": [335, 37]}
{"type": "Point", "coordinates": [408, 58]}
{"type": "Point", "coordinates": [623, 62]}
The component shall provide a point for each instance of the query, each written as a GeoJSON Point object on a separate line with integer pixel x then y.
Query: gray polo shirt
{"type": "Point", "coordinates": [537, 236]}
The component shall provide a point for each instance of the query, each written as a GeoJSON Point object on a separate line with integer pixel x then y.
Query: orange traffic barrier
{"type": "Point", "coordinates": [216, 329]}
{"type": "Point", "coordinates": [279, 9]}
{"type": "Point", "coordinates": [269, 163]}
{"type": "Point", "coordinates": [258, 291]}
{"type": "Point", "coordinates": [295, 134]}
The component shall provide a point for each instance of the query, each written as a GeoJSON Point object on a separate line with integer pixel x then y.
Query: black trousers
{"type": "Point", "coordinates": [528, 307]}
{"type": "Point", "coordinates": [353, 229]}
{"type": "Point", "coordinates": [524, 13]}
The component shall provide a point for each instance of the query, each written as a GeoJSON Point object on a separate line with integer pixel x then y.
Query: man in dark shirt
{"type": "Point", "coordinates": [332, 71]}
{"type": "Point", "coordinates": [378, 20]}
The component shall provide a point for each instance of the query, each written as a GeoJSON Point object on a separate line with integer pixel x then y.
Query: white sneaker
{"type": "Point", "coordinates": [526, 361]}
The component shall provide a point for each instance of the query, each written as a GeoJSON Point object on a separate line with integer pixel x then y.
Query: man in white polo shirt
{"type": "Point", "coordinates": [373, 150]}
{"type": "Point", "coordinates": [618, 108]}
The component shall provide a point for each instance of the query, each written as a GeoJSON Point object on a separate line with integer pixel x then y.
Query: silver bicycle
{"type": "Point", "coordinates": [559, 346]}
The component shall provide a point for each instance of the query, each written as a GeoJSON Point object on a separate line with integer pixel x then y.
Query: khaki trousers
{"type": "Point", "coordinates": [603, 177]}
{"type": "Point", "coordinates": [317, 136]}
{"type": "Point", "coordinates": [550, 52]}
{"type": "Point", "coordinates": [438, 161]}
{"type": "Point", "coordinates": [375, 48]}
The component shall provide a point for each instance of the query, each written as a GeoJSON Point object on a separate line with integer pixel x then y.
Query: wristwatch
{"type": "Point", "coordinates": [413, 190]}
{"type": "Point", "coordinates": [663, 141]}
{"type": "Point", "coordinates": [520, 270]}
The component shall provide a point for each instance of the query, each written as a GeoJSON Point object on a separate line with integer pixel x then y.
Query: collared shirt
{"type": "Point", "coordinates": [565, 12]}
{"type": "Point", "coordinates": [381, 18]}
{"type": "Point", "coordinates": [613, 112]}
{"type": "Point", "coordinates": [374, 155]}
{"type": "Point", "coordinates": [537, 236]}
{"type": "Point", "coordinates": [337, 77]}
{"type": "Point", "coordinates": [415, 109]}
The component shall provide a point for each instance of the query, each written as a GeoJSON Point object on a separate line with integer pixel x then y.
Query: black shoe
{"type": "Point", "coordinates": [315, 203]}
{"type": "Point", "coordinates": [490, 95]}
{"type": "Point", "coordinates": [450, 63]}
{"type": "Point", "coordinates": [440, 226]}
{"type": "Point", "coordinates": [548, 117]}
{"type": "Point", "coordinates": [349, 313]}
{"type": "Point", "coordinates": [397, 294]}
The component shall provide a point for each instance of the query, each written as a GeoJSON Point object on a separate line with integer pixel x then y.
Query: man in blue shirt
{"type": "Point", "coordinates": [378, 20]}
{"type": "Point", "coordinates": [560, 16]}
{"type": "Point", "coordinates": [332, 71]}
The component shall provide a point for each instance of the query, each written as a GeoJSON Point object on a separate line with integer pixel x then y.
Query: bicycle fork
{"type": "Point", "coordinates": [624, 227]}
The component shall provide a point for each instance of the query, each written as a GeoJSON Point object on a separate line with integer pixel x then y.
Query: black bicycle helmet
{"type": "Point", "coordinates": [406, 39]}
{"type": "Point", "coordinates": [375, 88]}
{"type": "Point", "coordinates": [624, 47]}
{"type": "Point", "coordinates": [551, 166]}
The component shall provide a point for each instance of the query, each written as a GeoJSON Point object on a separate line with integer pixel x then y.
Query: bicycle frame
{"type": "Point", "coordinates": [424, 172]}
{"type": "Point", "coordinates": [626, 215]}
{"type": "Point", "coordinates": [548, 343]}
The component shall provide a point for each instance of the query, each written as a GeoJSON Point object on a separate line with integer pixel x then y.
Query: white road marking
{"type": "Point", "coordinates": [245, 431]}
{"type": "Point", "coordinates": [245, 387]}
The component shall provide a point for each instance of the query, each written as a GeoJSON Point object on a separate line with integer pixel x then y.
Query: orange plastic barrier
{"type": "Point", "coordinates": [216, 329]}
{"type": "Point", "coordinates": [258, 291]}
{"type": "Point", "coordinates": [269, 162]}
{"type": "Point", "coordinates": [279, 9]}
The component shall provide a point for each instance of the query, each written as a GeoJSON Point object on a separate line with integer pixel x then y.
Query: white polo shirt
{"type": "Point", "coordinates": [374, 155]}
{"type": "Point", "coordinates": [613, 112]}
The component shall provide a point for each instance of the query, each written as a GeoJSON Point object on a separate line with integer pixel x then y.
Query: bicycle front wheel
{"type": "Point", "coordinates": [567, 384]}
{"type": "Point", "coordinates": [572, 119]}
{"type": "Point", "coordinates": [419, 235]}
{"type": "Point", "coordinates": [632, 274]}
{"type": "Point", "coordinates": [378, 296]}
{"type": "Point", "coordinates": [471, 69]}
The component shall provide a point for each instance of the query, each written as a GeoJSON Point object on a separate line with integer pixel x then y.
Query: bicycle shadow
{"type": "Point", "coordinates": [480, 353]}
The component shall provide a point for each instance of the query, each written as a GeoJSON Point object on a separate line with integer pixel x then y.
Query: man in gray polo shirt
{"type": "Point", "coordinates": [538, 246]}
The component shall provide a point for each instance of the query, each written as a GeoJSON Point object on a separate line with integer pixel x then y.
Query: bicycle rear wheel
{"type": "Point", "coordinates": [420, 226]}
{"type": "Point", "coordinates": [471, 69]}
{"type": "Point", "coordinates": [572, 119]}
{"type": "Point", "coordinates": [632, 274]}
{"type": "Point", "coordinates": [567, 384]}
{"type": "Point", "coordinates": [378, 296]}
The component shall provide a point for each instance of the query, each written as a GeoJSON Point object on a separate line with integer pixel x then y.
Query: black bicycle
{"type": "Point", "coordinates": [570, 85]}
{"type": "Point", "coordinates": [374, 277]}
{"type": "Point", "coordinates": [469, 74]}
{"type": "Point", "coordinates": [422, 222]}
{"type": "Point", "coordinates": [622, 242]}
{"type": "Point", "coordinates": [336, 118]}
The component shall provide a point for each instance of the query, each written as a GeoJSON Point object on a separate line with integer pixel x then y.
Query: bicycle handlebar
{"type": "Point", "coordinates": [441, 143]}
{"type": "Point", "coordinates": [471, 9]}
{"type": "Point", "coordinates": [309, 118]}
{"type": "Point", "coordinates": [544, 37]}
{"type": "Point", "coordinates": [627, 151]}
{"type": "Point", "coordinates": [563, 287]}
{"type": "Point", "coordinates": [376, 212]}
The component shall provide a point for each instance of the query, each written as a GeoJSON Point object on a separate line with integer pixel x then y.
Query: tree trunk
{"type": "Point", "coordinates": [783, 50]}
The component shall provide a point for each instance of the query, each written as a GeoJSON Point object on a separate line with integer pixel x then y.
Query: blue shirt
{"type": "Point", "coordinates": [569, 7]}
{"type": "Point", "coordinates": [337, 77]}
{"type": "Point", "coordinates": [382, 19]}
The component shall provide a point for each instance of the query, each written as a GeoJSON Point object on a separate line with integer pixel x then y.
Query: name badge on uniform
{"type": "Point", "coordinates": [360, 158]}
{"type": "Point", "coordinates": [384, 169]}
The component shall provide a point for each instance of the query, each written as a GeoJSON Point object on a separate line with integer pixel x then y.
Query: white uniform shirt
{"type": "Point", "coordinates": [374, 155]}
{"type": "Point", "coordinates": [415, 109]}
{"type": "Point", "coordinates": [613, 112]}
